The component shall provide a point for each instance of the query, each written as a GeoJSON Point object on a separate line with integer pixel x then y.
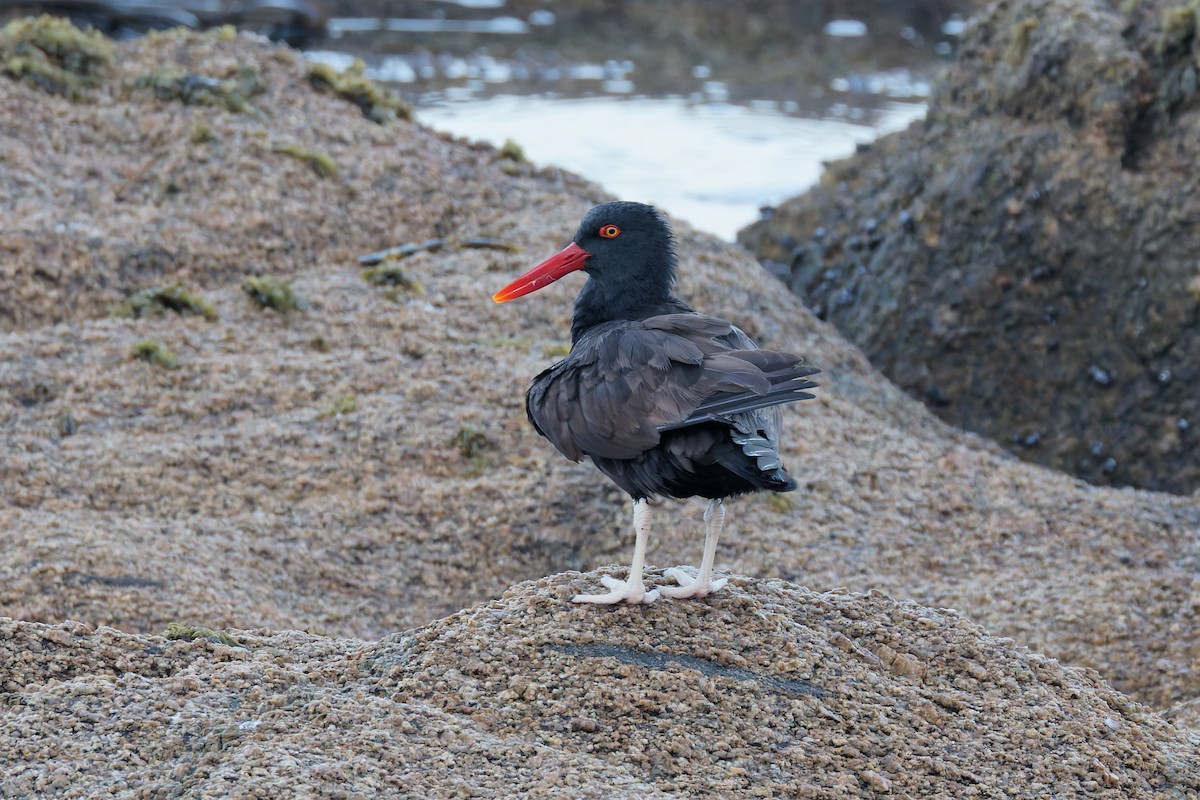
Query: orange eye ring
{"type": "Point", "coordinates": [609, 231]}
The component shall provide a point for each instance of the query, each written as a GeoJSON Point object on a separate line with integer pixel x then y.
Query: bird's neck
{"type": "Point", "coordinates": [601, 302]}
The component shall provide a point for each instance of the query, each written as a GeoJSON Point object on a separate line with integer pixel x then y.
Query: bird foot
{"type": "Point", "coordinates": [689, 586]}
{"type": "Point", "coordinates": [630, 591]}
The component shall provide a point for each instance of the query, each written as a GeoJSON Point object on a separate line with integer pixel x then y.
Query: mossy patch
{"type": "Point", "coordinates": [232, 94]}
{"type": "Point", "coordinates": [1178, 30]}
{"type": "Point", "coordinates": [1018, 46]}
{"type": "Point", "coordinates": [511, 151]}
{"type": "Point", "coordinates": [560, 350]}
{"type": "Point", "coordinates": [53, 55]}
{"type": "Point", "coordinates": [511, 158]}
{"type": "Point", "coordinates": [161, 299]}
{"type": "Point", "coordinates": [472, 444]}
{"type": "Point", "coordinates": [377, 104]}
{"type": "Point", "coordinates": [156, 353]}
{"type": "Point", "coordinates": [394, 280]}
{"type": "Point", "coordinates": [201, 133]}
{"type": "Point", "coordinates": [1174, 46]}
{"type": "Point", "coordinates": [188, 633]}
{"type": "Point", "coordinates": [271, 292]}
{"type": "Point", "coordinates": [342, 404]}
{"type": "Point", "coordinates": [779, 503]}
{"type": "Point", "coordinates": [320, 344]}
{"type": "Point", "coordinates": [321, 163]}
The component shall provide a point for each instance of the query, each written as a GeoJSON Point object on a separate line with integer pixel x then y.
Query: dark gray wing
{"type": "Point", "coordinates": [624, 383]}
{"type": "Point", "coordinates": [787, 377]}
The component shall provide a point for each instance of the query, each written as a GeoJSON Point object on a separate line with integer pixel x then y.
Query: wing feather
{"type": "Point", "coordinates": [625, 383]}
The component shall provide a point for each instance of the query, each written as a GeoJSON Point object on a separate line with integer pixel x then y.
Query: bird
{"type": "Point", "coordinates": [665, 401]}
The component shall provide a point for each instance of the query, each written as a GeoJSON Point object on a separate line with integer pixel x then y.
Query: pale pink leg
{"type": "Point", "coordinates": [702, 584]}
{"type": "Point", "coordinates": [632, 590]}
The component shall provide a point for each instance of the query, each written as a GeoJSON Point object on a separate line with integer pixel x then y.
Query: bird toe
{"type": "Point", "coordinates": [612, 583]}
{"type": "Point", "coordinates": [631, 591]}
{"type": "Point", "coordinates": [690, 586]}
{"type": "Point", "coordinates": [680, 577]}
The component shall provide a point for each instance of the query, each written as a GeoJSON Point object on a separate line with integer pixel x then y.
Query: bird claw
{"type": "Point", "coordinates": [630, 591]}
{"type": "Point", "coordinates": [689, 586]}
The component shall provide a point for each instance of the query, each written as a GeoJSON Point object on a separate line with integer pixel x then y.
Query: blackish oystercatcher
{"type": "Point", "coordinates": [665, 401]}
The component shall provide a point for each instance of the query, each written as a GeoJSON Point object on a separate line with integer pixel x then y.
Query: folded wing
{"type": "Point", "coordinates": [626, 383]}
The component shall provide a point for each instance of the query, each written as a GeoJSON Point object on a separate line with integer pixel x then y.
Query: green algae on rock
{"type": "Point", "coordinates": [1178, 30]}
{"type": "Point", "coordinates": [270, 292]}
{"type": "Point", "coordinates": [53, 55]}
{"type": "Point", "coordinates": [377, 104]}
{"type": "Point", "coordinates": [201, 133]}
{"type": "Point", "coordinates": [181, 632]}
{"type": "Point", "coordinates": [397, 282]}
{"type": "Point", "coordinates": [232, 93]}
{"type": "Point", "coordinates": [512, 151]}
{"type": "Point", "coordinates": [161, 299]}
{"type": "Point", "coordinates": [321, 163]}
{"type": "Point", "coordinates": [512, 160]}
{"type": "Point", "coordinates": [342, 404]}
{"type": "Point", "coordinates": [155, 352]}
{"type": "Point", "coordinates": [472, 443]}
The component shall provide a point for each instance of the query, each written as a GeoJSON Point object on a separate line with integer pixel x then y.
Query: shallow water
{"type": "Point", "coordinates": [696, 124]}
{"type": "Point", "coordinates": [712, 164]}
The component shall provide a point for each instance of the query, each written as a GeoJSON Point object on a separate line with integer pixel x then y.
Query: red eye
{"type": "Point", "coordinates": [610, 231]}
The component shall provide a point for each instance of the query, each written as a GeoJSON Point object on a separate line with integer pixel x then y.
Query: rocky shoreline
{"type": "Point", "coordinates": [766, 690]}
{"type": "Point", "coordinates": [356, 463]}
{"type": "Point", "coordinates": [1024, 259]}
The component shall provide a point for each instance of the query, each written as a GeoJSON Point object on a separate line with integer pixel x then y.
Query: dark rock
{"type": "Point", "coordinates": [1037, 226]}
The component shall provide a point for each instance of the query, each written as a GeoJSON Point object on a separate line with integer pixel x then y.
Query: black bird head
{"type": "Point", "coordinates": [627, 251]}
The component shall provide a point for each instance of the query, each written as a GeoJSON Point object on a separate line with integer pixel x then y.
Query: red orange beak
{"type": "Point", "coordinates": [570, 259]}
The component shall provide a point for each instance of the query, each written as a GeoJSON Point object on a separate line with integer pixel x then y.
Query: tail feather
{"type": "Point", "coordinates": [721, 407]}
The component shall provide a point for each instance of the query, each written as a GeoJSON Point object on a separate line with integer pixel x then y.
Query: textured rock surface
{"type": "Point", "coordinates": [362, 465]}
{"type": "Point", "coordinates": [1025, 259]}
{"type": "Point", "coordinates": [766, 690]}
